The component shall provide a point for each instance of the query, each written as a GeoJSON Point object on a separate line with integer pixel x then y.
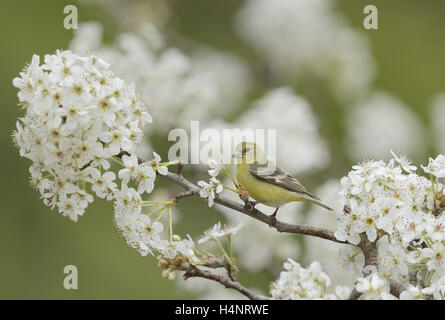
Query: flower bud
{"type": "Point", "coordinates": [162, 263]}
{"type": "Point", "coordinates": [172, 276]}
{"type": "Point", "coordinates": [165, 274]}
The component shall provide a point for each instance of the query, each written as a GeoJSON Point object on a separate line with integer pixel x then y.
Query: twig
{"type": "Point", "coordinates": [193, 271]}
{"type": "Point", "coordinates": [179, 169]}
{"type": "Point", "coordinates": [211, 262]}
{"type": "Point", "coordinates": [185, 194]}
{"type": "Point", "coordinates": [395, 288]}
{"type": "Point", "coordinates": [231, 269]}
{"type": "Point", "coordinates": [254, 213]}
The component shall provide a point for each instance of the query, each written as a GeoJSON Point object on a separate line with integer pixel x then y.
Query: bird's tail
{"type": "Point", "coordinates": [319, 203]}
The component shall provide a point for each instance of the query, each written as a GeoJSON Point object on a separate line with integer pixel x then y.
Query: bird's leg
{"type": "Point", "coordinates": [251, 204]}
{"type": "Point", "coordinates": [242, 193]}
{"type": "Point", "coordinates": [274, 216]}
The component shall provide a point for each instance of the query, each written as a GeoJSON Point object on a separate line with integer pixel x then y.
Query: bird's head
{"type": "Point", "coordinates": [248, 152]}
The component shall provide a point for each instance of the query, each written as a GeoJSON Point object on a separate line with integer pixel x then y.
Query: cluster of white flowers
{"type": "Point", "coordinates": [403, 212]}
{"type": "Point", "coordinates": [379, 197]}
{"type": "Point", "coordinates": [77, 116]}
{"type": "Point", "coordinates": [179, 87]}
{"type": "Point", "coordinates": [436, 290]}
{"type": "Point", "coordinates": [308, 38]}
{"type": "Point", "coordinates": [377, 124]}
{"type": "Point", "coordinates": [139, 229]}
{"type": "Point", "coordinates": [297, 283]}
{"type": "Point", "coordinates": [373, 287]}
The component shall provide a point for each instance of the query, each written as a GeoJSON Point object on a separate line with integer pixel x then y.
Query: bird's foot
{"type": "Point", "coordinates": [250, 205]}
{"type": "Point", "coordinates": [242, 193]}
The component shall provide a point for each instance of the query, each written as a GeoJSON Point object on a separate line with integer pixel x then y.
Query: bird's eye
{"type": "Point", "coordinates": [245, 150]}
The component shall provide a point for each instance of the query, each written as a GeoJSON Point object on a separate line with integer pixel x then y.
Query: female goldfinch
{"type": "Point", "coordinates": [267, 183]}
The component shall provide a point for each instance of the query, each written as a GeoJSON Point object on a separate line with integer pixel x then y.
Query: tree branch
{"type": "Point", "coordinates": [193, 271]}
{"type": "Point", "coordinates": [369, 249]}
{"type": "Point", "coordinates": [193, 190]}
{"type": "Point", "coordinates": [254, 213]}
{"type": "Point", "coordinates": [395, 288]}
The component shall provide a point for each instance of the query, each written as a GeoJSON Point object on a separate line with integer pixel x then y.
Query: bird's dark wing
{"type": "Point", "coordinates": [270, 173]}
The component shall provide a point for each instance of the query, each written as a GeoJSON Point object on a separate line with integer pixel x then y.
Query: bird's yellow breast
{"type": "Point", "coordinates": [267, 193]}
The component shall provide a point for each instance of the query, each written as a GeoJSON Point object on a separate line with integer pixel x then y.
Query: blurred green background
{"type": "Point", "coordinates": [36, 244]}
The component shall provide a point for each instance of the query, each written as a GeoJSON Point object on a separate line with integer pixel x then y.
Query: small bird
{"type": "Point", "coordinates": [267, 183]}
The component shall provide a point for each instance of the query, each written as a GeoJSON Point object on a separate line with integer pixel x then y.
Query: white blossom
{"type": "Point", "coordinates": [297, 283]}
{"type": "Point", "coordinates": [404, 162]}
{"type": "Point", "coordinates": [436, 288]}
{"type": "Point", "coordinates": [103, 184]}
{"type": "Point", "coordinates": [145, 176]}
{"type": "Point", "coordinates": [412, 293]}
{"type": "Point", "coordinates": [373, 287]}
{"type": "Point", "coordinates": [216, 166]}
{"type": "Point", "coordinates": [209, 190]}
{"type": "Point", "coordinates": [218, 231]}
{"type": "Point", "coordinates": [436, 166]}
{"type": "Point", "coordinates": [155, 164]}
{"type": "Point", "coordinates": [139, 231]}
{"type": "Point", "coordinates": [77, 116]}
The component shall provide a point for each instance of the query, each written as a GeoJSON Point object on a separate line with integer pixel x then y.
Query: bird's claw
{"type": "Point", "coordinates": [250, 204]}
{"type": "Point", "coordinates": [242, 193]}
